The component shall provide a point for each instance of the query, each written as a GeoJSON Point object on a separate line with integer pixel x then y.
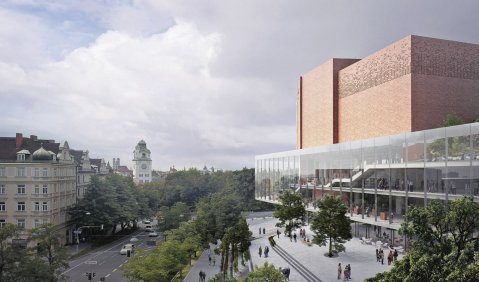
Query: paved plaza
{"type": "Point", "coordinates": [309, 260]}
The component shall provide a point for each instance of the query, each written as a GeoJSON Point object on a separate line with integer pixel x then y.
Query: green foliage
{"type": "Point", "coordinates": [235, 246]}
{"type": "Point", "coordinates": [221, 277]}
{"type": "Point", "coordinates": [330, 224]}
{"type": "Point", "coordinates": [451, 120]}
{"type": "Point", "coordinates": [445, 245]}
{"type": "Point", "coordinates": [188, 236]}
{"type": "Point", "coordinates": [161, 264]}
{"type": "Point", "coordinates": [170, 218]}
{"type": "Point", "coordinates": [291, 212]}
{"type": "Point", "coordinates": [266, 273]}
{"type": "Point", "coordinates": [42, 263]}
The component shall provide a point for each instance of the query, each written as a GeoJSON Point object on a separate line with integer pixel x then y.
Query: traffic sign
{"type": "Point", "coordinates": [91, 262]}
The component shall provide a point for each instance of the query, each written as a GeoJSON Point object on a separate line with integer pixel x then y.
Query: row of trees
{"type": "Point", "coordinates": [43, 262]}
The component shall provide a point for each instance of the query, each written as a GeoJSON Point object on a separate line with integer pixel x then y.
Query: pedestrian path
{"type": "Point", "coordinates": [203, 264]}
{"type": "Point", "coordinates": [308, 262]}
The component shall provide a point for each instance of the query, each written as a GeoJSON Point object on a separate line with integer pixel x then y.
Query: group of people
{"type": "Point", "coordinates": [346, 272]}
{"type": "Point", "coordinates": [211, 258]}
{"type": "Point", "coordinates": [202, 276]}
{"type": "Point", "coordinates": [266, 251]}
{"type": "Point", "coordinates": [392, 256]}
{"type": "Point", "coordinates": [262, 229]}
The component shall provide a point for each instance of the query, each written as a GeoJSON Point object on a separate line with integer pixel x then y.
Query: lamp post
{"type": "Point", "coordinates": [78, 230]}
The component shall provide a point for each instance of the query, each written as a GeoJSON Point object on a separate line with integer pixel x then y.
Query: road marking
{"type": "Point", "coordinates": [126, 261]}
{"type": "Point", "coordinates": [107, 275]}
{"type": "Point", "coordinates": [114, 270]}
{"type": "Point", "coordinates": [101, 252]}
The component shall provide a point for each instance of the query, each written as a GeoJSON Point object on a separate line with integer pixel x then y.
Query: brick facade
{"type": "Point", "coordinates": [410, 85]}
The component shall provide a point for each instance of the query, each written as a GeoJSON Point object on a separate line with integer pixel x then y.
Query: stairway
{"type": "Point", "coordinates": [301, 269]}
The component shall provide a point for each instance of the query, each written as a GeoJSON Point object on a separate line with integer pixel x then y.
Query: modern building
{"type": "Point", "coordinates": [142, 163]}
{"type": "Point", "coordinates": [369, 130]}
{"type": "Point", "coordinates": [37, 183]}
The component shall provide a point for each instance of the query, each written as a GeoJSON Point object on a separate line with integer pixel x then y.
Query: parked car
{"type": "Point", "coordinates": [148, 228]}
{"type": "Point", "coordinates": [125, 248]}
{"type": "Point", "coordinates": [152, 234]}
{"type": "Point", "coordinates": [146, 221]}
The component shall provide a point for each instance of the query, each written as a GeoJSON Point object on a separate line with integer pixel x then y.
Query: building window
{"type": "Point", "coordinates": [20, 157]}
{"type": "Point", "coordinates": [20, 189]}
{"type": "Point", "coordinates": [2, 222]}
{"type": "Point", "coordinates": [140, 175]}
{"type": "Point", "coordinates": [36, 206]}
{"type": "Point", "coordinates": [45, 206]}
{"type": "Point", "coordinates": [21, 171]}
{"type": "Point", "coordinates": [147, 175]}
{"type": "Point", "coordinates": [45, 172]}
{"type": "Point", "coordinates": [141, 181]}
{"type": "Point", "coordinates": [36, 222]}
{"type": "Point", "coordinates": [36, 190]}
{"type": "Point", "coordinates": [45, 189]}
{"type": "Point", "coordinates": [45, 221]}
{"type": "Point", "coordinates": [3, 207]}
{"type": "Point", "coordinates": [2, 171]}
{"type": "Point", "coordinates": [2, 189]}
{"type": "Point", "coordinates": [21, 206]}
{"type": "Point", "coordinates": [36, 172]}
{"type": "Point", "coordinates": [21, 223]}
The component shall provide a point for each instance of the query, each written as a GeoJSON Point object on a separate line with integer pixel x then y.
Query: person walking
{"type": "Point", "coordinates": [381, 255]}
{"type": "Point", "coordinates": [294, 236]}
{"type": "Point", "coordinates": [204, 276]}
{"type": "Point", "coordinates": [377, 255]}
{"type": "Point", "coordinates": [260, 252]}
{"type": "Point", "coordinates": [266, 251]}
{"type": "Point", "coordinates": [277, 232]}
{"type": "Point", "coordinates": [201, 276]}
{"type": "Point", "coordinates": [214, 260]}
{"type": "Point", "coordinates": [260, 231]}
{"type": "Point", "coordinates": [340, 270]}
{"type": "Point", "coordinates": [209, 259]}
{"type": "Point", "coordinates": [349, 271]}
{"type": "Point", "coordinates": [390, 257]}
{"type": "Point", "coordinates": [264, 230]}
{"type": "Point", "coordinates": [395, 255]}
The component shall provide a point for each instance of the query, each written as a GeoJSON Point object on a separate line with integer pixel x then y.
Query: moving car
{"type": "Point", "coordinates": [125, 248]}
{"type": "Point", "coordinates": [146, 221]}
{"type": "Point", "coordinates": [148, 228]}
{"type": "Point", "coordinates": [152, 234]}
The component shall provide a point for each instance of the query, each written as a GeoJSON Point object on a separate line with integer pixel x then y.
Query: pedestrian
{"type": "Point", "coordinates": [201, 276]}
{"type": "Point", "coordinates": [260, 231]}
{"type": "Point", "coordinates": [204, 276]}
{"type": "Point", "coordinates": [294, 236]}
{"type": "Point", "coordinates": [395, 255]}
{"type": "Point", "coordinates": [260, 252]}
{"type": "Point", "coordinates": [349, 271]}
{"type": "Point", "coordinates": [377, 255]}
{"type": "Point", "coordinates": [290, 237]}
{"type": "Point", "coordinates": [381, 256]}
{"type": "Point", "coordinates": [340, 270]}
{"type": "Point", "coordinates": [214, 260]}
{"type": "Point", "coordinates": [264, 230]}
{"type": "Point", "coordinates": [300, 232]}
{"type": "Point", "coordinates": [209, 259]}
{"type": "Point", "coordinates": [266, 251]}
{"type": "Point", "coordinates": [277, 232]}
{"type": "Point", "coordinates": [346, 273]}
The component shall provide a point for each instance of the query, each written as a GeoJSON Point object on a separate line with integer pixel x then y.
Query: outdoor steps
{"type": "Point", "coordinates": [301, 269]}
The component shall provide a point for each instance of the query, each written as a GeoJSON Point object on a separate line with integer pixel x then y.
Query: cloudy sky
{"type": "Point", "coordinates": [202, 82]}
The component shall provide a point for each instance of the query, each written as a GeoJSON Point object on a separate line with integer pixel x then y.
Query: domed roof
{"type": "Point", "coordinates": [42, 155]}
{"type": "Point", "coordinates": [142, 142]}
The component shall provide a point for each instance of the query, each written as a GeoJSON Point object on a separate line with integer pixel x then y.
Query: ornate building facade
{"type": "Point", "coordinates": [142, 163]}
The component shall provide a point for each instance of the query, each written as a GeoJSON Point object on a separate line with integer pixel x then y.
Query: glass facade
{"type": "Point", "coordinates": [379, 179]}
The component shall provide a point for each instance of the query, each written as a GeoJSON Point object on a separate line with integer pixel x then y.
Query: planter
{"type": "Point", "coordinates": [383, 216]}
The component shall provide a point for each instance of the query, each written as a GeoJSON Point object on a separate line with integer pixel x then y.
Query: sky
{"type": "Point", "coordinates": [202, 82]}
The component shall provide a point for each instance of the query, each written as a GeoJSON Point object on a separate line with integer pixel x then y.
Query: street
{"type": "Point", "coordinates": [106, 261]}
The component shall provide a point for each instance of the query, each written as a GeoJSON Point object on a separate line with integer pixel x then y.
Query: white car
{"type": "Point", "coordinates": [125, 248]}
{"type": "Point", "coordinates": [146, 221]}
{"type": "Point", "coordinates": [152, 234]}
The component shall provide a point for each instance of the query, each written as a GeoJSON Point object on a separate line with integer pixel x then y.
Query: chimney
{"type": "Point", "coordinates": [18, 140]}
{"type": "Point", "coordinates": [33, 137]}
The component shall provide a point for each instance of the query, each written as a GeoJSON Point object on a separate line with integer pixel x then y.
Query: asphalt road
{"type": "Point", "coordinates": [106, 262]}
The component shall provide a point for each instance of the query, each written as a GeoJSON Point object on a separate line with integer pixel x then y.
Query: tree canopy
{"type": "Point", "coordinates": [330, 224]}
{"type": "Point", "coordinates": [444, 244]}
{"type": "Point", "coordinates": [290, 212]}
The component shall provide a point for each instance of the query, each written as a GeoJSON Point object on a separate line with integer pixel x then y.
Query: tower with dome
{"type": "Point", "coordinates": [141, 163]}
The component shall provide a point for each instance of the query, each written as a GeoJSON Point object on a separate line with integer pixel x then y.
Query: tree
{"type": "Point", "coordinates": [235, 246]}
{"type": "Point", "coordinates": [444, 244]}
{"type": "Point", "coordinates": [173, 216]}
{"type": "Point", "coordinates": [451, 120]}
{"type": "Point", "coordinates": [290, 212]}
{"type": "Point", "coordinates": [50, 249]}
{"type": "Point", "coordinates": [8, 255]}
{"type": "Point", "coordinates": [330, 224]}
{"type": "Point", "coordinates": [266, 273]}
{"type": "Point", "coordinates": [188, 236]}
{"type": "Point", "coordinates": [161, 264]}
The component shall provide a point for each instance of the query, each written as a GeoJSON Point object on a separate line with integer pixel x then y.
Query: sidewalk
{"type": "Point", "coordinates": [361, 257]}
{"type": "Point", "coordinates": [203, 264]}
